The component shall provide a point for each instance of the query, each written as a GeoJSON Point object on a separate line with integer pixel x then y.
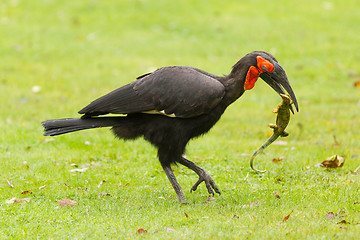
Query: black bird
{"type": "Point", "coordinates": [172, 105]}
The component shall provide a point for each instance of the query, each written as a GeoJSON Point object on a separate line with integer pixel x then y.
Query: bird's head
{"type": "Point", "coordinates": [264, 65]}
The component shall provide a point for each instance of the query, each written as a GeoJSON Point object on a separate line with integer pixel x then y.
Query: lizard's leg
{"type": "Point", "coordinates": [284, 134]}
{"type": "Point", "coordinates": [272, 126]}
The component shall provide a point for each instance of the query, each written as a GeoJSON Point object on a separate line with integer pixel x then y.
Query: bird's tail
{"type": "Point", "coordinates": [61, 126]}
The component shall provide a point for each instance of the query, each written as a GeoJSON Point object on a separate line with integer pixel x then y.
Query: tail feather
{"type": "Point", "coordinates": [62, 126]}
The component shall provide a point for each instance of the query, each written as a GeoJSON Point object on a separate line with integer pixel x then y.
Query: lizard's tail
{"type": "Point", "coordinates": [260, 150]}
{"type": "Point", "coordinates": [252, 161]}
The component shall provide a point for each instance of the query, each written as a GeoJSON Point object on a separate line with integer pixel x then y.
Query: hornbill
{"type": "Point", "coordinates": [174, 104]}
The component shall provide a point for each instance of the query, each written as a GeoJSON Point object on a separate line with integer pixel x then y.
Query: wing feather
{"type": "Point", "coordinates": [183, 91]}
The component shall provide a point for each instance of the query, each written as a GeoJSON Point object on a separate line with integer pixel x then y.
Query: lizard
{"type": "Point", "coordinates": [282, 120]}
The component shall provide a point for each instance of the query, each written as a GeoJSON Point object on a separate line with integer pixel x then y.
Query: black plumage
{"type": "Point", "coordinates": [173, 105]}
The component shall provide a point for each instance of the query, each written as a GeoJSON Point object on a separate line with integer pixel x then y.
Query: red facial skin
{"type": "Point", "coordinates": [253, 73]}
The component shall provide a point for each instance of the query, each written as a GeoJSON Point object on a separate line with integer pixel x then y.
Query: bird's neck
{"type": "Point", "coordinates": [234, 87]}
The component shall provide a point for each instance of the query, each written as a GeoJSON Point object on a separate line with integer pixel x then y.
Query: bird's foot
{"type": "Point", "coordinates": [210, 184]}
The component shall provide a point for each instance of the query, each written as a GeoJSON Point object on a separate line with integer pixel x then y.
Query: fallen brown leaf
{"type": "Point", "coordinates": [18, 200]}
{"type": "Point", "coordinates": [333, 162]}
{"type": "Point", "coordinates": [343, 228]}
{"type": "Point", "coordinates": [279, 159]}
{"type": "Point", "coordinates": [357, 169]}
{"type": "Point", "coordinates": [235, 216]}
{"type": "Point", "coordinates": [287, 217]}
{"type": "Point", "coordinates": [67, 202]}
{"type": "Point", "coordinates": [27, 192]}
{"type": "Point", "coordinates": [186, 215]}
{"type": "Point", "coordinates": [356, 78]}
{"type": "Point", "coordinates": [343, 222]}
{"type": "Point", "coordinates": [330, 215]}
{"type": "Point", "coordinates": [141, 231]}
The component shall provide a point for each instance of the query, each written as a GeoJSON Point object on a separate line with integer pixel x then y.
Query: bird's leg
{"type": "Point", "coordinates": [203, 176]}
{"type": "Point", "coordinates": [170, 175]}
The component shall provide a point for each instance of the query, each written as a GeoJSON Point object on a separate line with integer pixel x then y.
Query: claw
{"type": "Point", "coordinates": [210, 184]}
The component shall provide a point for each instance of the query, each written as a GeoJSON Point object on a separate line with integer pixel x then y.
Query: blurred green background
{"type": "Point", "coordinates": [57, 56]}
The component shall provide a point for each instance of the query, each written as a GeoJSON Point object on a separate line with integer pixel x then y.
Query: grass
{"type": "Point", "coordinates": [76, 51]}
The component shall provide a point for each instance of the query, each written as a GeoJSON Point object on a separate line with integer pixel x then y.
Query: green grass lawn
{"type": "Point", "coordinates": [57, 56]}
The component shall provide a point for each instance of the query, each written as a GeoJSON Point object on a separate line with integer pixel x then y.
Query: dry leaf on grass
{"type": "Point", "coordinates": [330, 215]}
{"type": "Point", "coordinates": [27, 192]}
{"type": "Point", "coordinates": [279, 159]}
{"type": "Point", "coordinates": [343, 222]}
{"type": "Point", "coordinates": [333, 162]}
{"type": "Point", "coordinates": [356, 78]}
{"type": "Point", "coordinates": [141, 231]}
{"type": "Point", "coordinates": [67, 202]}
{"type": "Point", "coordinates": [287, 217]}
{"type": "Point", "coordinates": [186, 215]}
{"type": "Point", "coordinates": [18, 200]}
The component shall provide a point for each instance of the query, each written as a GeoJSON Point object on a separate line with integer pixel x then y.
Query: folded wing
{"type": "Point", "coordinates": [181, 91]}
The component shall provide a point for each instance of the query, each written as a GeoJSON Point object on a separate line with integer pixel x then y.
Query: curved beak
{"type": "Point", "coordinates": [279, 81]}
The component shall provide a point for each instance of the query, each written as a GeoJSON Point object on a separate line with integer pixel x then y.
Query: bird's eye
{"type": "Point", "coordinates": [264, 65]}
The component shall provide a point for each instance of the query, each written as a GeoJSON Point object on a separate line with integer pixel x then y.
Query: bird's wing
{"type": "Point", "coordinates": [180, 91]}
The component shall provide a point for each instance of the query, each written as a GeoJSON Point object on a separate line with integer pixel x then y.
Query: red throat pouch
{"type": "Point", "coordinates": [253, 73]}
{"type": "Point", "coordinates": [251, 77]}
